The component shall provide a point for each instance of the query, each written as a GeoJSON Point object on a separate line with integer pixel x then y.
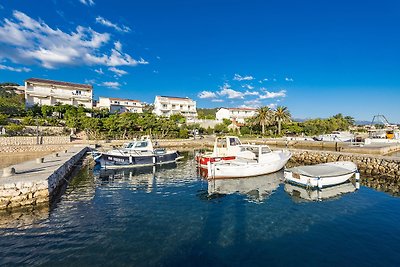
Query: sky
{"type": "Point", "coordinates": [318, 58]}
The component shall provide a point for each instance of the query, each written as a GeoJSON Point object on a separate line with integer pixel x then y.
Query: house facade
{"type": "Point", "coordinates": [50, 92]}
{"type": "Point", "coordinates": [235, 114]}
{"type": "Point", "coordinates": [120, 105]}
{"type": "Point", "coordinates": [169, 105]}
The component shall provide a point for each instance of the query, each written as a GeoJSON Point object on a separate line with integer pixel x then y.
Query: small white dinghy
{"type": "Point", "coordinates": [252, 160]}
{"type": "Point", "coordinates": [321, 175]}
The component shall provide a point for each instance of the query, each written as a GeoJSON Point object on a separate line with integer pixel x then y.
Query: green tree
{"type": "Point", "coordinates": [264, 117]}
{"type": "Point", "coordinates": [281, 115]}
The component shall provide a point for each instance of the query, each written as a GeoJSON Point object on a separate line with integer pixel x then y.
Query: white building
{"type": "Point", "coordinates": [119, 105]}
{"type": "Point", "coordinates": [48, 92]}
{"type": "Point", "coordinates": [168, 105]}
{"type": "Point", "coordinates": [237, 114]}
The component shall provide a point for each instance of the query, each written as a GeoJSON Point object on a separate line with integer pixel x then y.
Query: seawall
{"type": "Point", "coordinates": [35, 182]}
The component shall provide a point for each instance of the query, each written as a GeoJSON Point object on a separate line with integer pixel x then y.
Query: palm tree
{"type": "Point", "coordinates": [264, 117]}
{"type": "Point", "coordinates": [281, 114]}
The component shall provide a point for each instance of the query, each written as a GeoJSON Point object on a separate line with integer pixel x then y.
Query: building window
{"type": "Point", "coordinates": [164, 106]}
{"type": "Point", "coordinates": [78, 92]}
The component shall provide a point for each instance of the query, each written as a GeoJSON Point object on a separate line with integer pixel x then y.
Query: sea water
{"type": "Point", "coordinates": [172, 217]}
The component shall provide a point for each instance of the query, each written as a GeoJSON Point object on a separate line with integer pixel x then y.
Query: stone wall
{"type": "Point", "coordinates": [388, 167]}
{"type": "Point", "coordinates": [32, 140]}
{"type": "Point", "coordinates": [21, 192]}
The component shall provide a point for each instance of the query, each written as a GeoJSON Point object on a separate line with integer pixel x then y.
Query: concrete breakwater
{"type": "Point", "coordinates": [370, 165]}
{"type": "Point", "coordinates": [35, 182]}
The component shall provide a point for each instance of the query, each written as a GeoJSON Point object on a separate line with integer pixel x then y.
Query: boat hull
{"type": "Point", "coordinates": [237, 169]}
{"type": "Point", "coordinates": [322, 181]}
{"type": "Point", "coordinates": [203, 160]}
{"type": "Point", "coordinates": [110, 161]}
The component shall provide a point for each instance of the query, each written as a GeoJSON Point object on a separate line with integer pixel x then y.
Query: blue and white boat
{"type": "Point", "coordinates": [138, 153]}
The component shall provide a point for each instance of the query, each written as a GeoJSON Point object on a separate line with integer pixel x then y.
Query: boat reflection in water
{"type": "Point", "coordinates": [138, 177]}
{"type": "Point", "coordinates": [301, 194]}
{"type": "Point", "coordinates": [256, 188]}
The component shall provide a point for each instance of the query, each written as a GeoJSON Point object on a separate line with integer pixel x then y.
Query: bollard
{"type": "Point", "coordinates": [7, 172]}
{"type": "Point", "coordinates": [57, 155]}
{"type": "Point", "coordinates": [65, 151]}
{"type": "Point", "coordinates": [39, 160]}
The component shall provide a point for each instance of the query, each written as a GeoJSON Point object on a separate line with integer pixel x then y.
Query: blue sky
{"type": "Point", "coordinates": [318, 58]}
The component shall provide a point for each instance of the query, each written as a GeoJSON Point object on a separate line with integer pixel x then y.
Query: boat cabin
{"type": "Point", "coordinates": [144, 144]}
{"type": "Point", "coordinates": [259, 153]}
{"type": "Point", "coordinates": [226, 146]}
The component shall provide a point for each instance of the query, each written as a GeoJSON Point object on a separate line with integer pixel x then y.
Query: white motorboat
{"type": "Point", "coordinates": [301, 193]}
{"type": "Point", "coordinates": [321, 175]}
{"type": "Point", "coordinates": [252, 160]}
{"type": "Point", "coordinates": [336, 137]}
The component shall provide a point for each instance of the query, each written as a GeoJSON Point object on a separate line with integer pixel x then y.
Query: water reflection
{"type": "Point", "coordinates": [301, 194]}
{"type": "Point", "coordinates": [257, 189]}
{"type": "Point", "coordinates": [384, 184]}
{"type": "Point", "coordinates": [24, 217]}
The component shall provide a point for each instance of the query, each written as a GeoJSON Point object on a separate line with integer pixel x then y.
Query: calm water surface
{"type": "Point", "coordinates": [174, 218]}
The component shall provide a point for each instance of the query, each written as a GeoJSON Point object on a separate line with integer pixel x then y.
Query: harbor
{"type": "Point", "coordinates": [199, 133]}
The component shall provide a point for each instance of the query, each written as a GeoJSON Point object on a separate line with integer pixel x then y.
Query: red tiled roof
{"type": "Point", "coordinates": [176, 98]}
{"type": "Point", "coordinates": [52, 82]}
{"type": "Point", "coordinates": [250, 109]}
{"type": "Point", "coordinates": [123, 99]}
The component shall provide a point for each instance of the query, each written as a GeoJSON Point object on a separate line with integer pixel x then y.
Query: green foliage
{"type": "Point", "coordinates": [3, 119]}
{"type": "Point", "coordinates": [14, 129]}
{"type": "Point", "coordinates": [178, 118]}
{"type": "Point", "coordinates": [11, 103]}
{"type": "Point", "coordinates": [206, 113]}
{"type": "Point", "coordinates": [227, 122]}
{"type": "Point", "coordinates": [221, 128]}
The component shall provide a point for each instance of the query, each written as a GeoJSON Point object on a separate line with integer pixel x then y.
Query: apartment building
{"type": "Point", "coordinates": [237, 114]}
{"type": "Point", "coordinates": [120, 105]}
{"type": "Point", "coordinates": [49, 92]}
{"type": "Point", "coordinates": [169, 105]}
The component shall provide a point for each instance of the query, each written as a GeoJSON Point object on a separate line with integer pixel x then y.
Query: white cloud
{"type": "Point", "coordinates": [87, 2]}
{"type": "Point", "coordinates": [272, 106]}
{"type": "Point", "coordinates": [207, 94]}
{"type": "Point", "coordinates": [115, 26]}
{"type": "Point", "coordinates": [118, 72]}
{"type": "Point", "coordinates": [226, 90]}
{"type": "Point", "coordinates": [23, 69]}
{"type": "Point", "coordinates": [217, 100]}
{"type": "Point", "coordinates": [248, 86]}
{"type": "Point", "coordinates": [268, 95]}
{"type": "Point", "coordinates": [253, 103]}
{"type": "Point", "coordinates": [289, 79]}
{"type": "Point", "coordinates": [112, 85]}
{"type": "Point", "coordinates": [251, 93]}
{"type": "Point", "coordinates": [99, 71]}
{"type": "Point", "coordinates": [238, 77]}
{"type": "Point", "coordinates": [25, 40]}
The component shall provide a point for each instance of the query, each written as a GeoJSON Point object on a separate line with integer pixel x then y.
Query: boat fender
{"type": "Point", "coordinates": [130, 160]}
{"type": "Point", "coordinates": [154, 160]}
{"type": "Point", "coordinates": [319, 183]}
{"type": "Point", "coordinates": [357, 175]}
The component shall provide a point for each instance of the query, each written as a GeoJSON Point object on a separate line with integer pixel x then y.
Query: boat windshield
{"type": "Point", "coordinates": [141, 144]}
{"type": "Point", "coordinates": [234, 141]}
{"type": "Point", "coordinates": [265, 150]}
{"type": "Point", "coordinates": [253, 149]}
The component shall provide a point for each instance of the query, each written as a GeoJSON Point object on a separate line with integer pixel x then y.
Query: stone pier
{"type": "Point", "coordinates": [34, 182]}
